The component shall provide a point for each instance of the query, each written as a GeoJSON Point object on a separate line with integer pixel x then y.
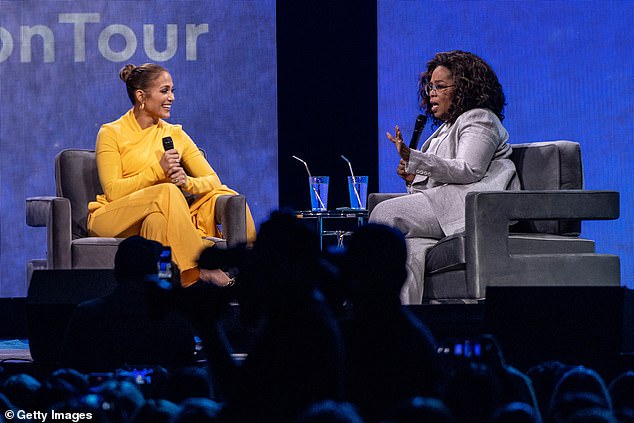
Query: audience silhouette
{"type": "Point", "coordinates": [473, 393]}
{"type": "Point", "coordinates": [157, 411]}
{"type": "Point", "coordinates": [120, 400]}
{"type": "Point", "coordinates": [578, 389]}
{"type": "Point", "coordinates": [515, 412]}
{"type": "Point", "coordinates": [544, 378]}
{"type": "Point", "coordinates": [515, 385]}
{"type": "Point", "coordinates": [302, 362]}
{"type": "Point", "coordinates": [621, 391]}
{"type": "Point", "coordinates": [422, 409]}
{"type": "Point", "coordinates": [22, 390]}
{"type": "Point", "coordinates": [188, 382]}
{"type": "Point", "coordinates": [296, 357]}
{"type": "Point", "coordinates": [330, 412]}
{"type": "Point", "coordinates": [132, 325]}
{"type": "Point", "coordinates": [390, 354]}
{"type": "Point", "coordinates": [62, 385]}
{"type": "Point", "coordinates": [198, 410]}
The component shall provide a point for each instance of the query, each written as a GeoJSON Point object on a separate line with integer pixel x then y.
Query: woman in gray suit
{"type": "Point", "coordinates": [468, 152]}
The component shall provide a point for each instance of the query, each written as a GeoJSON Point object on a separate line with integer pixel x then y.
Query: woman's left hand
{"type": "Point", "coordinates": [400, 171]}
{"type": "Point", "coordinates": [178, 176]}
{"type": "Point", "coordinates": [403, 150]}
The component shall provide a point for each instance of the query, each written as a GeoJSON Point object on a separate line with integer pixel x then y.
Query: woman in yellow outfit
{"type": "Point", "coordinates": [143, 184]}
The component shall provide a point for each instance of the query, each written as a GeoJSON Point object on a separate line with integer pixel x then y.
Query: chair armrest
{"type": "Point", "coordinates": [53, 213]}
{"type": "Point", "coordinates": [376, 197]}
{"type": "Point", "coordinates": [544, 205]}
{"type": "Point", "coordinates": [231, 213]}
{"type": "Point", "coordinates": [487, 217]}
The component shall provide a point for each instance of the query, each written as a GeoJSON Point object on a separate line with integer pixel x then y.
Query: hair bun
{"type": "Point", "coordinates": [126, 71]}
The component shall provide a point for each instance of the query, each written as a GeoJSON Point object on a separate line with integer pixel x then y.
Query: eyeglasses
{"type": "Point", "coordinates": [436, 87]}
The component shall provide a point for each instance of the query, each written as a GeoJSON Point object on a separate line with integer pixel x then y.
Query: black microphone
{"type": "Point", "coordinates": [168, 144]}
{"type": "Point", "coordinates": [421, 120]}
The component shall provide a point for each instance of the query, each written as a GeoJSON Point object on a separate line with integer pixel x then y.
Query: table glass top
{"type": "Point", "coordinates": [338, 213]}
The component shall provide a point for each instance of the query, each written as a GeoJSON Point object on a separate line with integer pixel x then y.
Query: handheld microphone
{"type": "Point", "coordinates": [168, 144]}
{"type": "Point", "coordinates": [421, 120]}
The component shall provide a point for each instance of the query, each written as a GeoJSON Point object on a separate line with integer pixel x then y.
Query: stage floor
{"type": "Point", "coordinates": [14, 350]}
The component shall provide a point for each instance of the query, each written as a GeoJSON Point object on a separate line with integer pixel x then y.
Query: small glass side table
{"type": "Point", "coordinates": [338, 223]}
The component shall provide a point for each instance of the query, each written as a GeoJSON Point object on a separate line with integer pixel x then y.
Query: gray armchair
{"type": "Point", "coordinates": [65, 217]}
{"type": "Point", "coordinates": [524, 238]}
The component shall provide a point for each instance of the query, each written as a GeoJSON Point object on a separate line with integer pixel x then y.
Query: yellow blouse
{"type": "Point", "coordinates": [128, 159]}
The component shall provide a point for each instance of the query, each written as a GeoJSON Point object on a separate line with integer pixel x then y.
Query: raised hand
{"type": "Point", "coordinates": [403, 150]}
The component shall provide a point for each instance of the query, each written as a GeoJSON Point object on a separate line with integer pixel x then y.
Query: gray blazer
{"type": "Point", "coordinates": [470, 155]}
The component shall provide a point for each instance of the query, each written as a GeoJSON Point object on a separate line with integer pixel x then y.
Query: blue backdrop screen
{"type": "Point", "coordinates": [59, 65]}
{"type": "Point", "coordinates": [566, 68]}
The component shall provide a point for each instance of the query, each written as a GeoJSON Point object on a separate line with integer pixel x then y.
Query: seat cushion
{"type": "Point", "coordinates": [94, 252]}
{"type": "Point", "coordinates": [449, 253]}
{"type": "Point", "coordinates": [99, 252]}
{"type": "Point", "coordinates": [218, 242]}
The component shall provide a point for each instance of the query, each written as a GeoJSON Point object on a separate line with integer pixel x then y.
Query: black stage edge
{"type": "Point", "coordinates": [593, 326]}
{"type": "Point", "coordinates": [51, 300]}
{"type": "Point", "coordinates": [13, 318]}
{"type": "Point", "coordinates": [451, 322]}
{"type": "Point", "coordinates": [327, 96]}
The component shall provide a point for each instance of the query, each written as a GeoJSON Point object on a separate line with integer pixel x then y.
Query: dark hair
{"type": "Point", "coordinates": [139, 77]}
{"type": "Point", "coordinates": [477, 86]}
{"type": "Point", "coordinates": [330, 411]}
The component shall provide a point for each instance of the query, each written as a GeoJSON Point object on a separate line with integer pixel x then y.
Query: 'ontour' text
{"type": "Point", "coordinates": [78, 23]}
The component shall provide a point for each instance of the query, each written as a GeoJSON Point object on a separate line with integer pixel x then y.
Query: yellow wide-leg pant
{"type": "Point", "coordinates": [160, 213]}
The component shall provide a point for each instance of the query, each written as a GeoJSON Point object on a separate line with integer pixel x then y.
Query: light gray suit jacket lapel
{"type": "Point", "coordinates": [473, 155]}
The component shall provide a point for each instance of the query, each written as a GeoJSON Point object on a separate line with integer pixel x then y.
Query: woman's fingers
{"type": "Point", "coordinates": [178, 176]}
{"type": "Point", "coordinates": [176, 172]}
{"type": "Point", "coordinates": [398, 135]}
{"type": "Point", "coordinates": [170, 160]}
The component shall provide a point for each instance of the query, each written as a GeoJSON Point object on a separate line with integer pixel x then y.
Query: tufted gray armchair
{"type": "Point", "coordinates": [524, 238]}
{"type": "Point", "coordinates": [65, 217]}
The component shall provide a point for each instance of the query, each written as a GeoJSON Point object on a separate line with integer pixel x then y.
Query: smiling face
{"type": "Point", "coordinates": [157, 99]}
{"type": "Point", "coordinates": [440, 99]}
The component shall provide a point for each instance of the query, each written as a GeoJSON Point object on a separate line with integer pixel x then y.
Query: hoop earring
{"type": "Point", "coordinates": [142, 106]}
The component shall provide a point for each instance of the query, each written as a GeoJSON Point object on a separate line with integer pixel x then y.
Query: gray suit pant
{"type": "Point", "coordinates": [413, 216]}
